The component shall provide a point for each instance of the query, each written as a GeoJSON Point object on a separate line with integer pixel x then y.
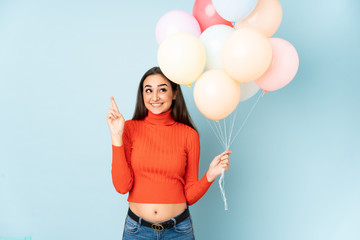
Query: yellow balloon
{"type": "Point", "coordinates": [182, 58]}
{"type": "Point", "coordinates": [246, 54]}
{"type": "Point", "coordinates": [266, 17]}
{"type": "Point", "coordinates": [216, 94]}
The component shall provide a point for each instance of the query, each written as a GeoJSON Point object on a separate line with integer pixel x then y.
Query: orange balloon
{"type": "Point", "coordinates": [216, 94]}
{"type": "Point", "coordinates": [266, 17]}
{"type": "Point", "coordinates": [246, 54]}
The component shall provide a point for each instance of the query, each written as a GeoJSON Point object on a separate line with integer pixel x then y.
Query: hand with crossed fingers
{"type": "Point", "coordinates": [116, 123]}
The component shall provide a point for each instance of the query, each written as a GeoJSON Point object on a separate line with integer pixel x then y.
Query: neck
{"type": "Point", "coordinates": [164, 118]}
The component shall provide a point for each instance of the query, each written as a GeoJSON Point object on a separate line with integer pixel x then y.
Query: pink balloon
{"type": "Point", "coordinates": [205, 13]}
{"type": "Point", "coordinates": [283, 67]}
{"type": "Point", "coordinates": [176, 21]}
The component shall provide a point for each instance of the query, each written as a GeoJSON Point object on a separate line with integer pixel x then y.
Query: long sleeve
{"type": "Point", "coordinates": [194, 189]}
{"type": "Point", "coordinates": [121, 171]}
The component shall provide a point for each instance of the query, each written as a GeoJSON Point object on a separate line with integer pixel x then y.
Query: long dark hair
{"type": "Point", "coordinates": [179, 111]}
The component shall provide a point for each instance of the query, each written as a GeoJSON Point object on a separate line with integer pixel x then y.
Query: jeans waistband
{"type": "Point", "coordinates": [160, 226]}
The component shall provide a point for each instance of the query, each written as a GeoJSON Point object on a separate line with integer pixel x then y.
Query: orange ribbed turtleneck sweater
{"type": "Point", "coordinates": [158, 161]}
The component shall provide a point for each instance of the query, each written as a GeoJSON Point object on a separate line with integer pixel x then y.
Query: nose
{"type": "Point", "coordinates": [155, 96]}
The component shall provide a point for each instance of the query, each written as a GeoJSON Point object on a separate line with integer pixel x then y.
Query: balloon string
{"type": "Point", "coordinates": [225, 134]}
{"type": "Point", "coordinates": [217, 135]}
{"type": "Point", "coordinates": [251, 110]}
{"type": "Point", "coordinates": [227, 146]}
{"type": "Point", "coordinates": [233, 117]}
{"type": "Point", "coordinates": [221, 132]}
{"type": "Point", "coordinates": [221, 180]}
{"type": "Point", "coordinates": [226, 141]}
{"type": "Point", "coordinates": [221, 184]}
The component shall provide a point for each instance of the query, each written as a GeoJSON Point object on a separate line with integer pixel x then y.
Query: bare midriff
{"type": "Point", "coordinates": [157, 212]}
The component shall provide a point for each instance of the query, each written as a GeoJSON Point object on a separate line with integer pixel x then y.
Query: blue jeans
{"type": "Point", "coordinates": [181, 231]}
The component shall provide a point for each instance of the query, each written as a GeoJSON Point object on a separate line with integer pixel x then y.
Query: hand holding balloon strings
{"type": "Point", "coordinates": [218, 164]}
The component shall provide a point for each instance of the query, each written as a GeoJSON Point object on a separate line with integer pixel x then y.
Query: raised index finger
{"type": "Point", "coordinates": [113, 104]}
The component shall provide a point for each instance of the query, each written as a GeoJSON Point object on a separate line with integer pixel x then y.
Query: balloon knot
{"type": "Point", "coordinates": [189, 85]}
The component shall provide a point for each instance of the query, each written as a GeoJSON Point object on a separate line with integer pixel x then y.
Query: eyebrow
{"type": "Point", "coordinates": [160, 85]}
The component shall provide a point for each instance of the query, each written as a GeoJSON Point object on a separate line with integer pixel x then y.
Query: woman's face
{"type": "Point", "coordinates": [157, 94]}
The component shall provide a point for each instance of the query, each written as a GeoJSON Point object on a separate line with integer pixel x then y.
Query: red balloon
{"type": "Point", "coordinates": [206, 15]}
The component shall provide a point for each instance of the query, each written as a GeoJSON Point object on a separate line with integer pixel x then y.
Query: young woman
{"type": "Point", "coordinates": [156, 159]}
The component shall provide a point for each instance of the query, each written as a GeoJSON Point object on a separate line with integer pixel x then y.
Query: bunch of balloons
{"type": "Point", "coordinates": [226, 46]}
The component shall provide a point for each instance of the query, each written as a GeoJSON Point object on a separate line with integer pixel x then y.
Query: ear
{"type": "Point", "coordinates": [174, 97]}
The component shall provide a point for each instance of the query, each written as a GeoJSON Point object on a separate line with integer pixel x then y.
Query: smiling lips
{"type": "Point", "coordinates": [155, 104]}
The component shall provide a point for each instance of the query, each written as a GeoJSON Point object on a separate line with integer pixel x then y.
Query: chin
{"type": "Point", "coordinates": [158, 110]}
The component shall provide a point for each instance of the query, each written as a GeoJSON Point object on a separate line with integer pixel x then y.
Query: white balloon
{"type": "Point", "coordinates": [234, 10]}
{"type": "Point", "coordinates": [182, 58]}
{"type": "Point", "coordinates": [248, 90]}
{"type": "Point", "coordinates": [213, 39]}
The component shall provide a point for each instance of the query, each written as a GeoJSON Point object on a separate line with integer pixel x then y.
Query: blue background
{"type": "Point", "coordinates": [294, 171]}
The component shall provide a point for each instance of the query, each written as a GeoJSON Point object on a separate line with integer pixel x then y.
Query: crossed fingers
{"type": "Point", "coordinates": [113, 110]}
{"type": "Point", "coordinates": [113, 104]}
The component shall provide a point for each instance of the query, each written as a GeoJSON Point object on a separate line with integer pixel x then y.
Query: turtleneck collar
{"type": "Point", "coordinates": [164, 118]}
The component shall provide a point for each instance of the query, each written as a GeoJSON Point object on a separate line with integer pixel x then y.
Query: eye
{"type": "Point", "coordinates": [148, 90]}
{"type": "Point", "coordinates": [163, 90]}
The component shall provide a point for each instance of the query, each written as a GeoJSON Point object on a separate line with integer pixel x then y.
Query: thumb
{"type": "Point", "coordinates": [222, 154]}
